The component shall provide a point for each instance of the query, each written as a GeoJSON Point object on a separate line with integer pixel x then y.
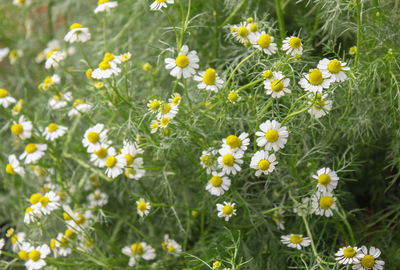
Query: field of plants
{"type": "Point", "coordinates": [188, 134]}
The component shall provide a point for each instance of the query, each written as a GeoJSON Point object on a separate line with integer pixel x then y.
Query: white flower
{"type": "Point", "coordinates": [159, 4]}
{"type": "Point", "coordinates": [226, 210]}
{"type": "Point", "coordinates": [77, 33]}
{"type": "Point", "coordinates": [171, 246]}
{"type": "Point", "coordinates": [209, 80]}
{"type": "Point", "coordinates": [321, 106]}
{"type": "Point", "coordinates": [107, 67]}
{"type": "Point", "coordinates": [47, 203]}
{"type": "Point", "coordinates": [167, 110]}
{"type": "Point", "coordinates": [3, 53]}
{"type": "Point", "coordinates": [77, 221]}
{"type": "Point", "coordinates": [54, 131]}
{"type": "Point", "coordinates": [36, 257]}
{"type": "Point", "coordinates": [97, 198]}
{"type": "Point", "coordinates": [236, 143]}
{"type": "Point", "coordinates": [303, 208]}
{"type": "Point", "coordinates": [24, 250]}
{"type": "Point", "coordinates": [31, 215]}
{"type": "Point", "coordinates": [60, 101]}
{"type": "Point", "coordinates": [218, 184]}
{"type": "Point", "coordinates": [33, 152]}
{"type": "Point", "coordinates": [60, 246]}
{"type": "Point", "coordinates": [295, 241]}
{"type": "Point", "coordinates": [184, 64]}
{"type": "Point", "coordinates": [292, 45]}
{"type": "Point", "coordinates": [347, 255]}
{"type": "Point", "coordinates": [143, 207]}
{"type": "Point", "coordinates": [263, 162]}
{"type": "Point", "coordinates": [17, 240]}
{"type": "Point", "coordinates": [277, 87]}
{"type": "Point", "coordinates": [154, 105]}
{"type": "Point", "coordinates": [99, 156]}
{"type": "Point", "coordinates": [241, 32]}
{"type": "Point", "coordinates": [49, 81]}
{"type": "Point", "coordinates": [234, 97]}
{"type": "Point", "coordinates": [368, 260]}
{"type": "Point", "coordinates": [2, 242]}
{"type": "Point", "coordinates": [21, 2]}
{"type": "Point", "coordinates": [130, 151]}
{"type": "Point", "coordinates": [175, 99]}
{"type": "Point", "coordinates": [334, 68]}
{"type": "Point", "coordinates": [5, 99]}
{"type": "Point", "coordinates": [230, 161]}
{"type": "Point", "coordinates": [115, 165]}
{"type": "Point", "coordinates": [272, 135]}
{"type": "Point", "coordinates": [79, 107]}
{"type": "Point", "coordinates": [263, 42]}
{"type": "Point", "coordinates": [53, 58]}
{"type": "Point", "coordinates": [208, 160]}
{"type": "Point", "coordinates": [315, 81]}
{"type": "Point", "coordinates": [139, 251]}
{"type": "Point", "coordinates": [323, 203]}
{"type": "Point", "coordinates": [154, 126]}
{"type": "Point", "coordinates": [94, 137]}
{"type": "Point", "coordinates": [278, 219]}
{"type": "Point", "coordinates": [105, 5]}
{"type": "Point", "coordinates": [136, 171]}
{"type": "Point", "coordinates": [52, 45]}
{"type": "Point", "coordinates": [14, 167]}
{"type": "Point", "coordinates": [327, 180]}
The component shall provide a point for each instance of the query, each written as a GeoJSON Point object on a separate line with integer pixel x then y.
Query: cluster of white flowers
{"type": "Point", "coordinates": [164, 111]}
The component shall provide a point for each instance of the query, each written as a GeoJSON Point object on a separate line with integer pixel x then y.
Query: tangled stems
{"type": "Point", "coordinates": [232, 76]}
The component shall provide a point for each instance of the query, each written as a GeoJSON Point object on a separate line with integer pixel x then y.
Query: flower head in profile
{"type": "Point", "coordinates": [171, 246]}
{"type": "Point", "coordinates": [138, 251]}
{"type": "Point", "coordinates": [105, 6]}
{"type": "Point", "coordinates": [209, 80]}
{"type": "Point", "coordinates": [54, 58]}
{"type": "Point", "coordinates": [292, 45]}
{"type": "Point", "coordinates": [13, 166]}
{"type": "Point", "coordinates": [49, 81]}
{"type": "Point", "coordinates": [295, 241]}
{"type": "Point", "coordinates": [321, 106]}
{"type": "Point", "coordinates": [185, 64]}
{"type": "Point", "coordinates": [97, 198]}
{"type": "Point", "coordinates": [107, 68]}
{"type": "Point", "coordinates": [47, 203]}
{"type": "Point", "coordinates": [22, 2]}
{"type": "Point", "coordinates": [77, 33]}
{"type": "Point", "coordinates": [79, 107]}
{"type": "Point", "coordinates": [60, 101]}
{"type": "Point", "coordinates": [208, 159]}
{"type": "Point", "coordinates": [5, 99]}
{"type": "Point", "coordinates": [159, 4]}
{"type": "Point", "coordinates": [226, 210]}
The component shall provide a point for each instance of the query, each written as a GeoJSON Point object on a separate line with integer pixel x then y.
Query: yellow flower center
{"type": "Point", "coordinates": [93, 137]}
{"type": "Point", "coordinates": [319, 104]}
{"type": "Point", "coordinates": [14, 239]}
{"type": "Point", "coordinates": [263, 165]}
{"type": "Point", "coordinates": [207, 160]}
{"type": "Point", "coordinates": [3, 93]}
{"type": "Point", "coordinates": [52, 127]}
{"type": "Point", "coordinates": [334, 66]}
{"type": "Point", "coordinates": [324, 179]}
{"type": "Point", "coordinates": [296, 239]}
{"type": "Point", "coordinates": [268, 74]}
{"type": "Point", "coordinates": [277, 86]}
{"type": "Point", "coordinates": [75, 25]}
{"type": "Point", "coordinates": [80, 219]}
{"type": "Point", "coordinates": [165, 121]}
{"type": "Point", "coordinates": [176, 100]}
{"type": "Point", "coordinates": [31, 148]}
{"type": "Point", "coordinates": [271, 135]}
{"type": "Point", "coordinates": [253, 27]}
{"type": "Point", "coordinates": [154, 125]}
{"type": "Point", "coordinates": [89, 74]}
{"type": "Point", "coordinates": [66, 216]}
{"type": "Point", "coordinates": [70, 234]}
{"type": "Point", "coordinates": [315, 77]}
{"type": "Point", "coordinates": [233, 96]}
{"type": "Point", "coordinates": [161, 1]}
{"type": "Point", "coordinates": [48, 80]}
{"type": "Point", "coordinates": [108, 57]}
{"type": "Point", "coordinates": [50, 53]}
{"type": "Point", "coordinates": [137, 249]}
{"type": "Point", "coordinates": [349, 252]}
{"type": "Point", "coordinates": [233, 141]}
{"type": "Point", "coordinates": [233, 29]}
{"type": "Point", "coordinates": [129, 160]}
{"type": "Point", "coordinates": [9, 169]}
{"type": "Point", "coordinates": [146, 67]}
{"type": "Point", "coordinates": [102, 2]}
{"type": "Point", "coordinates": [171, 248]}
{"type": "Point", "coordinates": [35, 198]}
{"type": "Point", "coordinates": [295, 43]}
{"type": "Point", "coordinates": [57, 98]}
{"type": "Point", "coordinates": [182, 61]}
{"type": "Point", "coordinates": [368, 261]}
{"type": "Point", "coordinates": [141, 206]}
{"type": "Point", "coordinates": [28, 210]}
{"type": "Point", "coordinates": [243, 32]}
{"type": "Point", "coordinates": [111, 161]}
{"type": "Point", "coordinates": [209, 76]}
{"type": "Point", "coordinates": [216, 181]}
{"type": "Point", "coordinates": [53, 244]}
{"type": "Point", "coordinates": [34, 255]}
{"type": "Point", "coordinates": [154, 105]}
{"type": "Point", "coordinates": [227, 210]}
{"type": "Point", "coordinates": [165, 108]}
{"type": "Point", "coordinates": [264, 41]}
{"type": "Point", "coordinates": [326, 202]}
{"type": "Point", "coordinates": [125, 57]}
{"type": "Point", "coordinates": [44, 201]}
{"type": "Point", "coordinates": [228, 160]}
{"type": "Point", "coordinates": [101, 153]}
{"type": "Point", "coordinates": [104, 65]}
{"type": "Point", "coordinates": [78, 102]}
{"type": "Point", "coordinates": [23, 255]}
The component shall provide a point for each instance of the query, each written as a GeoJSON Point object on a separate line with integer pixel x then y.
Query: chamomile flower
{"type": "Point", "coordinates": [209, 80]}
{"type": "Point", "coordinates": [154, 105]}
{"type": "Point", "coordinates": [3, 53]}
{"type": "Point", "coordinates": [278, 86]}
{"type": "Point", "coordinates": [105, 5]}
{"type": "Point", "coordinates": [107, 67]}
{"type": "Point", "coordinates": [79, 107]}
{"type": "Point", "coordinates": [263, 163]}
{"type": "Point", "coordinates": [184, 64]}
{"type": "Point", "coordinates": [139, 251]}
{"type": "Point", "coordinates": [171, 246]}
{"type": "Point", "coordinates": [13, 166]}
{"type": "Point", "coordinates": [125, 57]}
{"type": "Point", "coordinates": [315, 81]}
{"type": "Point", "coordinates": [115, 165]}
{"type": "Point", "coordinates": [100, 155]}
{"type": "Point", "coordinates": [154, 126]}
{"type": "Point", "coordinates": [143, 207]}
{"type": "Point", "coordinates": [226, 210]}
{"type": "Point", "coordinates": [269, 76]}
{"type": "Point", "coordinates": [323, 203]}
{"type": "Point", "coordinates": [218, 184]}
{"type": "Point", "coordinates": [175, 99]}
{"type": "Point", "coordinates": [234, 97]}
{"type": "Point", "coordinates": [368, 259]}
{"type": "Point", "coordinates": [49, 81]}
{"type": "Point", "coordinates": [2, 243]}
{"type": "Point", "coordinates": [334, 69]}
{"type": "Point", "coordinates": [167, 110]}
{"type": "Point", "coordinates": [327, 180]}
{"type": "Point", "coordinates": [347, 255]}
{"type": "Point", "coordinates": [47, 203]}
{"type": "Point", "coordinates": [303, 208]}
{"type": "Point", "coordinates": [295, 241]}
{"type": "Point", "coordinates": [94, 137]}
{"type": "Point", "coordinates": [60, 101]}
{"type": "Point", "coordinates": [236, 143]}
{"type": "Point", "coordinates": [208, 159]}
{"type": "Point", "coordinates": [59, 246]}
{"type": "Point", "coordinates": [230, 161]}
{"type": "Point", "coordinates": [321, 106]}
{"type": "Point", "coordinates": [24, 250]}
{"type": "Point", "coordinates": [76, 221]}
{"type": "Point", "coordinates": [292, 45]}
{"type": "Point", "coordinates": [130, 151]}
{"type": "Point", "coordinates": [36, 257]}
{"type": "Point", "coordinates": [33, 152]}
{"type": "Point", "coordinates": [31, 215]}
{"type": "Point", "coordinates": [97, 198]}
{"type": "Point", "coordinates": [272, 135]}
{"type": "Point", "coordinates": [136, 172]}
{"type": "Point", "coordinates": [5, 99]}
{"type": "Point", "coordinates": [53, 58]}
{"type": "Point", "coordinates": [263, 42]}
{"type": "Point", "coordinates": [164, 122]}
{"type": "Point", "coordinates": [241, 32]}
{"type": "Point", "coordinates": [16, 240]}
{"type": "Point", "coordinates": [77, 33]}
{"type": "Point", "coordinates": [16, 110]}
{"type": "Point", "coordinates": [15, 55]}
{"type": "Point", "coordinates": [277, 217]}
{"type": "Point", "coordinates": [159, 4]}
{"type": "Point", "coordinates": [21, 2]}
{"type": "Point", "coordinates": [54, 131]}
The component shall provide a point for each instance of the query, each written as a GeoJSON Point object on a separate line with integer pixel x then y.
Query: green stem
{"type": "Point", "coordinates": [250, 84]}
{"type": "Point", "coordinates": [279, 14]}
{"type": "Point", "coordinates": [233, 13]}
{"type": "Point", "coordinates": [358, 19]}
{"type": "Point", "coordinates": [50, 19]}
{"type": "Point", "coordinates": [237, 67]}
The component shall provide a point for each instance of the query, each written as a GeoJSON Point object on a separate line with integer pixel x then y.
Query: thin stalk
{"type": "Point", "coordinates": [358, 19]}
{"type": "Point", "coordinates": [279, 14]}
{"type": "Point", "coordinates": [233, 13]}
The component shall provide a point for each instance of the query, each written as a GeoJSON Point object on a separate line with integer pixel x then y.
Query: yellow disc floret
{"type": "Point", "coordinates": [324, 179]}
{"type": "Point", "coordinates": [182, 61]}
{"type": "Point", "coordinates": [264, 41]}
{"type": "Point", "coordinates": [129, 159]}
{"type": "Point", "coordinates": [17, 129]}
{"type": "Point", "coordinates": [101, 153]}
{"type": "Point", "coordinates": [104, 65]}
{"type": "Point", "coordinates": [31, 148]}
{"type": "Point", "coordinates": [227, 210]}
{"type": "Point", "coordinates": [35, 198]}
{"type": "Point", "coordinates": [111, 161]}
{"type": "Point", "coordinates": [75, 25]}
{"type": "Point", "coordinates": [216, 181]}
{"type": "Point", "coordinates": [209, 76]}
{"type": "Point", "coordinates": [52, 127]}
{"type": "Point", "coordinates": [268, 74]}
{"type": "Point", "coordinates": [233, 141]}
{"type": "Point", "coordinates": [3, 93]}
{"type": "Point", "coordinates": [295, 43]}
{"type": "Point", "coordinates": [9, 169]}
{"type": "Point", "coordinates": [315, 77]}
{"type": "Point", "coordinates": [34, 255]}
{"type": "Point", "coordinates": [253, 27]}
{"type": "Point", "coordinates": [334, 66]}
{"type": "Point", "coordinates": [326, 202]}
{"type": "Point", "coordinates": [228, 160]}
{"type": "Point", "coordinates": [142, 206]}
{"type": "Point", "coordinates": [271, 135]}
{"type": "Point", "coordinates": [277, 86]}
{"type": "Point", "coordinates": [102, 2]}
{"type": "Point", "coordinates": [93, 137]}
{"type": "Point", "coordinates": [44, 201]}
{"type": "Point", "coordinates": [243, 32]}
{"type": "Point", "coordinates": [368, 261]}
{"type": "Point", "coordinates": [137, 249]}
{"type": "Point", "coordinates": [263, 165]}
{"type": "Point", "coordinates": [349, 252]}
{"type": "Point", "coordinates": [296, 239]}
{"type": "Point", "coordinates": [23, 255]}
